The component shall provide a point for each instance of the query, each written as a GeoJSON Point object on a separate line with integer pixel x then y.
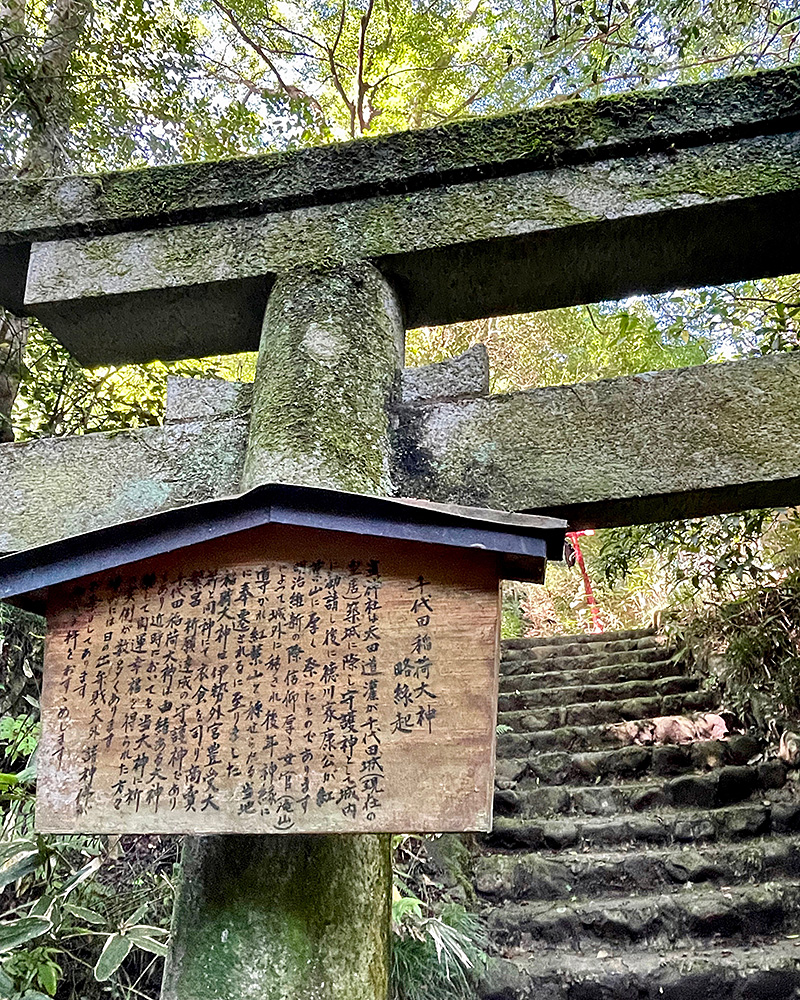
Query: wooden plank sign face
{"type": "Point", "coordinates": [280, 680]}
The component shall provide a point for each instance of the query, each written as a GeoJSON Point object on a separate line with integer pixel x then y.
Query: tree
{"type": "Point", "coordinates": [371, 66]}
{"type": "Point", "coordinates": [34, 78]}
{"type": "Point", "coordinates": [90, 85]}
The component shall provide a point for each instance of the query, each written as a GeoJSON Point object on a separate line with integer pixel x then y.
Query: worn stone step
{"type": "Point", "coordinates": [578, 738]}
{"type": "Point", "coordinates": [699, 911]}
{"type": "Point", "coordinates": [620, 762]}
{"type": "Point", "coordinates": [721, 787]}
{"type": "Point", "coordinates": [767, 969]}
{"type": "Point", "coordinates": [593, 713]}
{"type": "Point", "coordinates": [580, 693]}
{"type": "Point", "coordinates": [521, 662]}
{"type": "Point", "coordinates": [575, 738]}
{"type": "Point", "coordinates": [562, 768]}
{"type": "Point", "coordinates": [667, 826]}
{"type": "Point", "coordinates": [583, 638]}
{"type": "Point", "coordinates": [636, 670]}
{"type": "Point", "coordinates": [568, 874]}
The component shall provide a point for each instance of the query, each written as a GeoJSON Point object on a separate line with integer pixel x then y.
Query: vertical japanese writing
{"type": "Point", "coordinates": [414, 695]}
{"type": "Point", "coordinates": [260, 690]}
{"type": "Point", "coordinates": [331, 686]}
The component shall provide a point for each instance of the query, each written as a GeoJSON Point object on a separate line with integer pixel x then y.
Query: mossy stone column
{"type": "Point", "coordinates": [295, 917]}
{"type": "Point", "coordinates": [328, 366]}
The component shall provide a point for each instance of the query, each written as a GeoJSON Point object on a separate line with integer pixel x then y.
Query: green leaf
{"type": "Point", "coordinates": [137, 914]}
{"type": "Point", "coordinates": [114, 953]}
{"type": "Point", "coordinates": [13, 847]}
{"type": "Point", "coordinates": [149, 930]}
{"type": "Point", "coordinates": [82, 913]}
{"type": "Point", "coordinates": [48, 977]}
{"type": "Point", "coordinates": [27, 775]}
{"type": "Point", "coordinates": [16, 932]}
{"type": "Point", "coordinates": [405, 905]}
{"type": "Point", "coordinates": [42, 907]}
{"type": "Point", "coordinates": [148, 943]}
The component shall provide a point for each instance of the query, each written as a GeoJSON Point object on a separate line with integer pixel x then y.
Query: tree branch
{"type": "Point", "coordinates": [254, 45]}
{"type": "Point", "coordinates": [361, 89]}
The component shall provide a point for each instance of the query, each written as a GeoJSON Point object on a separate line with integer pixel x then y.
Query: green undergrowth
{"type": "Point", "coordinates": [439, 948]}
{"type": "Point", "coordinates": [751, 647]}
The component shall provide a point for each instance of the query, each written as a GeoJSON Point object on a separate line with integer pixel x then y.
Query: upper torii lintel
{"type": "Point", "coordinates": [570, 203]}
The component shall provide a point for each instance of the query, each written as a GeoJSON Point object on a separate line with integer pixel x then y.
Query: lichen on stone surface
{"type": "Point", "coordinates": [267, 918]}
{"type": "Point", "coordinates": [572, 132]}
{"type": "Point", "coordinates": [328, 370]}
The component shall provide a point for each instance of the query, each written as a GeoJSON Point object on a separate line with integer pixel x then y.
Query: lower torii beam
{"type": "Point", "coordinates": [640, 448]}
{"type": "Point", "coordinates": [657, 446]}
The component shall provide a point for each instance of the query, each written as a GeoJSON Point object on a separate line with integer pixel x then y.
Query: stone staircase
{"type": "Point", "coordinates": [630, 872]}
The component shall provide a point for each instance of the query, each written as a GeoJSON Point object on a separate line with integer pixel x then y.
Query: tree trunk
{"type": "Point", "coordinates": [44, 95]}
{"type": "Point", "coordinates": [13, 337]}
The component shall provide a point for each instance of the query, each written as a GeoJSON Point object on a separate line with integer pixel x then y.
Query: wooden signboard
{"type": "Point", "coordinates": [279, 680]}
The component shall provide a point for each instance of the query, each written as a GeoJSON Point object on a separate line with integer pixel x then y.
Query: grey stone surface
{"type": "Point", "coordinates": [457, 251]}
{"type": "Point", "coordinates": [55, 487]}
{"type": "Point", "coordinates": [645, 447]}
{"type": "Point", "coordinates": [574, 203]}
{"type": "Point", "coordinates": [281, 918]}
{"type": "Point", "coordinates": [644, 882]}
{"type": "Point", "coordinates": [666, 444]}
{"type": "Point", "coordinates": [204, 398]}
{"type": "Point", "coordinates": [573, 132]}
{"type": "Point", "coordinates": [292, 916]}
{"type": "Point", "coordinates": [328, 371]}
{"type": "Point", "coordinates": [464, 376]}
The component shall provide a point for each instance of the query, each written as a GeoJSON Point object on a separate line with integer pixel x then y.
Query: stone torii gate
{"type": "Point", "coordinates": [321, 259]}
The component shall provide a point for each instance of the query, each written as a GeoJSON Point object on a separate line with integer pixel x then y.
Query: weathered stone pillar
{"type": "Point", "coordinates": [302, 917]}
{"type": "Point", "coordinates": [329, 362]}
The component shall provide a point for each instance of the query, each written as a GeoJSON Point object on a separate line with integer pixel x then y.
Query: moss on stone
{"type": "Point", "coordinates": [328, 370]}
{"type": "Point", "coordinates": [452, 855]}
{"type": "Point", "coordinates": [302, 917]}
{"type": "Point", "coordinates": [571, 132]}
{"type": "Point", "coordinates": [724, 180]}
{"type": "Point", "coordinates": [266, 918]}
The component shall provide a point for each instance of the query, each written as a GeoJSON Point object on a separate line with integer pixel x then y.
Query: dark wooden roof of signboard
{"type": "Point", "coordinates": [523, 541]}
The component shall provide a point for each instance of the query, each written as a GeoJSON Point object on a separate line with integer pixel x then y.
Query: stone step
{"type": "Point", "coordinates": [721, 787]}
{"type": "Point", "coordinates": [521, 662]}
{"type": "Point", "coordinates": [737, 749]}
{"type": "Point", "coordinates": [767, 969]}
{"type": "Point", "coordinates": [593, 713]}
{"type": "Point", "coordinates": [580, 693]}
{"type": "Point", "coordinates": [630, 872]}
{"type": "Point", "coordinates": [667, 826]}
{"type": "Point", "coordinates": [699, 911]}
{"type": "Point", "coordinates": [703, 755]}
{"type": "Point", "coordinates": [568, 874]}
{"type": "Point", "coordinates": [584, 638]}
{"type": "Point", "coordinates": [636, 670]}
{"type": "Point", "coordinates": [693, 760]}
{"type": "Point", "coordinates": [622, 763]}
{"type": "Point", "coordinates": [576, 738]}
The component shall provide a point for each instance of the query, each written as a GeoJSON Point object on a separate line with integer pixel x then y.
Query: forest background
{"type": "Point", "coordinates": [92, 85]}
